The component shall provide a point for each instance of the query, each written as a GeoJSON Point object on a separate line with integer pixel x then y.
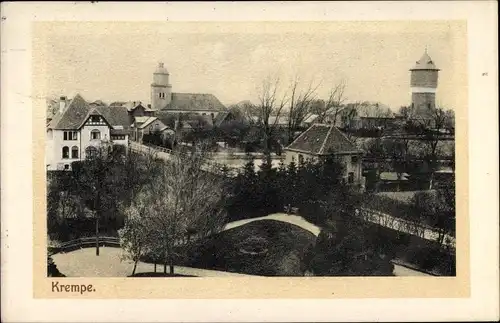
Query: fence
{"type": "Point", "coordinates": [209, 165]}
{"type": "Point", "coordinates": [83, 243]}
{"type": "Point", "coordinates": [402, 225]}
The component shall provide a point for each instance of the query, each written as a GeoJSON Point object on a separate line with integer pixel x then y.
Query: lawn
{"type": "Point", "coordinates": [264, 247]}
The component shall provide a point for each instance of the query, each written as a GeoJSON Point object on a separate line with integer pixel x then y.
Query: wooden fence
{"type": "Point", "coordinates": [83, 243]}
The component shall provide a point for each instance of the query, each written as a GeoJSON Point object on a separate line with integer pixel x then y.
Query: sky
{"type": "Point", "coordinates": [115, 61]}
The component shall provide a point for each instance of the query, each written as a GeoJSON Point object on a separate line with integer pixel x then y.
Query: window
{"type": "Point", "coordinates": [66, 166]}
{"type": "Point", "coordinates": [354, 159]}
{"type": "Point", "coordinates": [74, 152]}
{"type": "Point", "coordinates": [95, 119]}
{"type": "Point", "coordinates": [65, 152]}
{"type": "Point", "coordinates": [350, 178]}
{"type": "Point", "coordinates": [95, 135]}
{"type": "Point", "coordinates": [91, 152]}
{"type": "Point", "coordinates": [301, 159]}
{"type": "Point", "coordinates": [71, 135]}
{"type": "Point", "coordinates": [117, 137]}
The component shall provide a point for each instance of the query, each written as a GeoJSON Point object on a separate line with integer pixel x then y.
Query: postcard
{"type": "Point", "coordinates": [193, 153]}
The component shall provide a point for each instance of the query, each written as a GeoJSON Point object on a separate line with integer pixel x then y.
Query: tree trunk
{"type": "Point", "coordinates": [155, 266]}
{"type": "Point", "coordinates": [97, 236]}
{"type": "Point", "coordinates": [171, 269]}
{"type": "Point", "coordinates": [135, 267]}
{"type": "Point", "coordinates": [165, 268]}
{"type": "Point", "coordinates": [431, 180]}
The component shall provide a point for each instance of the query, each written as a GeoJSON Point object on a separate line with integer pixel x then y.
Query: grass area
{"type": "Point", "coordinates": [283, 249]}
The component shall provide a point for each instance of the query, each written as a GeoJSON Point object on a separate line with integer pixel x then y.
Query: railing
{"type": "Point", "coordinates": [403, 225]}
{"type": "Point", "coordinates": [209, 165]}
{"type": "Point", "coordinates": [83, 243]}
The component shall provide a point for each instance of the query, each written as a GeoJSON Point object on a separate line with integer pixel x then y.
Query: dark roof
{"type": "Point", "coordinates": [78, 111]}
{"type": "Point", "coordinates": [425, 63]}
{"type": "Point", "coordinates": [98, 103]}
{"type": "Point", "coordinates": [322, 139]}
{"type": "Point", "coordinates": [195, 102]}
{"type": "Point", "coordinates": [120, 131]}
{"type": "Point", "coordinates": [116, 116]}
{"type": "Point", "coordinates": [219, 119]}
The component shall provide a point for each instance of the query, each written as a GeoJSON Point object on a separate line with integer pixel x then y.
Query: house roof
{"type": "Point", "coordinates": [98, 103]}
{"type": "Point", "coordinates": [425, 63]}
{"type": "Point", "coordinates": [195, 102]}
{"type": "Point", "coordinates": [78, 110]}
{"type": "Point", "coordinates": [219, 119]}
{"type": "Point", "coordinates": [323, 139]}
{"type": "Point", "coordinates": [143, 122]}
{"type": "Point", "coordinates": [310, 118]}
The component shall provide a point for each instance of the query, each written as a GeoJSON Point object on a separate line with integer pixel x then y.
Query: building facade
{"type": "Point", "coordinates": [79, 129]}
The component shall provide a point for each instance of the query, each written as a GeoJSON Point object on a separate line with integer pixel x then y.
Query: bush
{"type": "Point", "coordinates": [52, 270]}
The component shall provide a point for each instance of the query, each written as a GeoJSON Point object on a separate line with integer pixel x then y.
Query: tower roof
{"type": "Point", "coordinates": [161, 69]}
{"type": "Point", "coordinates": [425, 63]}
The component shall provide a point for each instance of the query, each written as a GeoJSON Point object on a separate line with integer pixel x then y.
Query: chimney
{"type": "Point", "coordinates": [62, 104]}
{"type": "Point", "coordinates": [149, 106]}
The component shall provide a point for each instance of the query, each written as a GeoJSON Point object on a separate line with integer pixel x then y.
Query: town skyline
{"type": "Point", "coordinates": [231, 63]}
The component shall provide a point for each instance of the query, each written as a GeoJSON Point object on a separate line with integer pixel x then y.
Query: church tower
{"type": "Point", "coordinates": [161, 90]}
{"type": "Point", "coordinates": [424, 81]}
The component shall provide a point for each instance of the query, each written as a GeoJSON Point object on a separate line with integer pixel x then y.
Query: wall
{"type": "Point", "coordinates": [85, 137]}
{"type": "Point", "coordinates": [293, 155]}
{"type": "Point", "coordinates": [200, 112]}
{"type": "Point", "coordinates": [346, 160]}
{"type": "Point", "coordinates": [424, 78]}
{"type": "Point", "coordinates": [56, 145]}
{"type": "Point", "coordinates": [123, 142]}
{"type": "Point", "coordinates": [158, 102]}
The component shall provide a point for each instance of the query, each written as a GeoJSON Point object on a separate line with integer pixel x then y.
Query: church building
{"type": "Point", "coordinates": [163, 99]}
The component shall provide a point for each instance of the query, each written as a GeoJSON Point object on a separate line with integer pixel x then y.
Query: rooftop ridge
{"type": "Point", "coordinates": [325, 140]}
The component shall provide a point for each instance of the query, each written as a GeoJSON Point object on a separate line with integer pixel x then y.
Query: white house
{"type": "Point", "coordinates": [78, 129]}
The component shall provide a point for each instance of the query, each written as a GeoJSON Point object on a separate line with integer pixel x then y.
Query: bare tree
{"type": "Point", "coordinates": [271, 104]}
{"type": "Point", "coordinates": [300, 106]}
{"type": "Point", "coordinates": [334, 103]}
{"type": "Point", "coordinates": [431, 132]}
{"type": "Point", "coordinates": [186, 199]}
{"type": "Point", "coordinates": [136, 235]}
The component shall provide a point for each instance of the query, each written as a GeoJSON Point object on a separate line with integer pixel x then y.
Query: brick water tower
{"type": "Point", "coordinates": [424, 81]}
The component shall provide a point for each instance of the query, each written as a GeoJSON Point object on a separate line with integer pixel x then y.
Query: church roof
{"type": "Point", "coordinates": [323, 139]}
{"type": "Point", "coordinates": [195, 102]}
{"type": "Point", "coordinates": [425, 63]}
{"type": "Point", "coordinates": [78, 110]}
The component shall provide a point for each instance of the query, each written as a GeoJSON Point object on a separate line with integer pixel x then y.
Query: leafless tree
{"type": "Point", "coordinates": [271, 104]}
{"type": "Point", "coordinates": [431, 132]}
{"type": "Point", "coordinates": [186, 199]}
{"type": "Point", "coordinates": [334, 103]}
{"type": "Point", "coordinates": [300, 106]}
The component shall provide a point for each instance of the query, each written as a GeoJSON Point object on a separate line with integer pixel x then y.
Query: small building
{"type": "Point", "coordinates": [322, 140]}
{"type": "Point", "coordinates": [147, 126]}
{"type": "Point", "coordinates": [78, 129]}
